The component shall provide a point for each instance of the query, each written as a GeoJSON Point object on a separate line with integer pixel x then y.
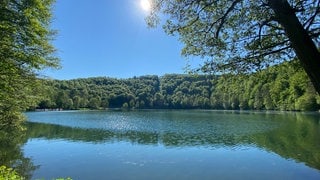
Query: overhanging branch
{"type": "Point", "coordinates": [223, 18]}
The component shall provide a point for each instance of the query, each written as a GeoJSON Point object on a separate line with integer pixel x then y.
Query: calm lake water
{"type": "Point", "coordinates": [162, 144]}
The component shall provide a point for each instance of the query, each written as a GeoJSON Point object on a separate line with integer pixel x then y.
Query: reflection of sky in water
{"type": "Point", "coordinates": [126, 161]}
{"type": "Point", "coordinates": [167, 144]}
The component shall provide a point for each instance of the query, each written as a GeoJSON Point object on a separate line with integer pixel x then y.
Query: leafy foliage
{"type": "Point", "coordinates": [248, 32]}
{"type": "Point", "coordinates": [9, 174]}
{"type": "Point", "coordinates": [244, 35]}
{"type": "Point", "coordinates": [25, 48]}
{"type": "Point", "coordinates": [282, 87]}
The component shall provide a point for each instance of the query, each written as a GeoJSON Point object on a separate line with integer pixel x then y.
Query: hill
{"type": "Point", "coordinates": [281, 87]}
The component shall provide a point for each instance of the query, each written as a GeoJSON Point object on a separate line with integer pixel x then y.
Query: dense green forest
{"type": "Point", "coordinates": [282, 87]}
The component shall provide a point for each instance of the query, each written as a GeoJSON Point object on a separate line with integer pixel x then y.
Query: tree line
{"type": "Point", "coordinates": [282, 87]}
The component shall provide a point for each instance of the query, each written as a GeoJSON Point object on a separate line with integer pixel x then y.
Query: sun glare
{"type": "Point", "coordinates": [145, 5]}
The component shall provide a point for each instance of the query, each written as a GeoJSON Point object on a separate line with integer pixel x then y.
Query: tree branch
{"type": "Point", "coordinates": [268, 53]}
{"type": "Point", "coordinates": [264, 23]}
{"type": "Point", "coordinates": [310, 21]}
{"type": "Point", "coordinates": [223, 18]}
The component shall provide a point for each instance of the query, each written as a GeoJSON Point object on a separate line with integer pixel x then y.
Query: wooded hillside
{"type": "Point", "coordinates": [282, 87]}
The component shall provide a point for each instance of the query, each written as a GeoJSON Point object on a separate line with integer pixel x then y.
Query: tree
{"type": "Point", "coordinates": [94, 103]}
{"type": "Point", "coordinates": [62, 99]}
{"type": "Point", "coordinates": [25, 48]}
{"type": "Point", "coordinates": [243, 35]}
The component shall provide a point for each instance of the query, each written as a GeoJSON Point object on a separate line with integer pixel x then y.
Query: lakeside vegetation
{"type": "Point", "coordinates": [26, 49]}
{"type": "Point", "coordinates": [282, 87]}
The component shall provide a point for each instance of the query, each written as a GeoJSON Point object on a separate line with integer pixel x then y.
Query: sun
{"type": "Point", "coordinates": [145, 5]}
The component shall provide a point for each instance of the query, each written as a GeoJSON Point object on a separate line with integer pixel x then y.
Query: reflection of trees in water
{"type": "Point", "coordinates": [11, 154]}
{"type": "Point", "coordinates": [297, 138]}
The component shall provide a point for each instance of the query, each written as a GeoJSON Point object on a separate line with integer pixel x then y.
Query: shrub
{"type": "Point", "coordinates": [9, 174]}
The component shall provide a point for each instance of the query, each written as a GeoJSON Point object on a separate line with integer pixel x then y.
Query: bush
{"type": "Point", "coordinates": [9, 174]}
{"type": "Point", "coordinates": [307, 102]}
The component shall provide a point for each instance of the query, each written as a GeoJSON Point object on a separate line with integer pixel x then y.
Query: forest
{"type": "Point", "coordinates": [284, 87]}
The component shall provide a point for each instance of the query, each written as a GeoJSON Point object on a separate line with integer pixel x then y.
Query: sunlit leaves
{"type": "Point", "coordinates": [25, 48]}
{"type": "Point", "coordinates": [240, 35]}
{"type": "Point", "coordinates": [9, 174]}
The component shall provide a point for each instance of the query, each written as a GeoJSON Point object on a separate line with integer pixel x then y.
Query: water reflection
{"type": "Point", "coordinates": [298, 139]}
{"type": "Point", "coordinates": [11, 154]}
{"type": "Point", "coordinates": [292, 136]}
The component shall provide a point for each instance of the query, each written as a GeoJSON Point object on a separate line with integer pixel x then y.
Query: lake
{"type": "Point", "coordinates": [172, 144]}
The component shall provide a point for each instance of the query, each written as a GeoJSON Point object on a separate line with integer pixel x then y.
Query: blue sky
{"type": "Point", "coordinates": [110, 38]}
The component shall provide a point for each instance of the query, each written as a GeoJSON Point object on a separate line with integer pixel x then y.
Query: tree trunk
{"type": "Point", "coordinates": [301, 42]}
